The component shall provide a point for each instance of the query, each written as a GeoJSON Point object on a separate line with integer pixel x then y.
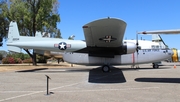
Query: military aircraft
{"type": "Point", "coordinates": [176, 55]}
{"type": "Point", "coordinates": [103, 45]}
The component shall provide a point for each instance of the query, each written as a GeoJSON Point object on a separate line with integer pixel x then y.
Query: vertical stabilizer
{"type": "Point", "coordinates": [13, 33]}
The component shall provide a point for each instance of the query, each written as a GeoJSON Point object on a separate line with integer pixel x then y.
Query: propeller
{"type": "Point", "coordinates": [137, 49]}
{"type": "Point", "coordinates": [137, 44]}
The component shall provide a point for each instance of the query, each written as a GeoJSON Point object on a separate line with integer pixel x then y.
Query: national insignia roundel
{"type": "Point", "coordinates": [62, 46]}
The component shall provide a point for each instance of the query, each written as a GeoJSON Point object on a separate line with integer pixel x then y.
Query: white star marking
{"type": "Point", "coordinates": [62, 46]}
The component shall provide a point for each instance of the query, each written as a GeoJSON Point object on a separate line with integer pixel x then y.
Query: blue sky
{"type": "Point", "coordinates": [140, 15]}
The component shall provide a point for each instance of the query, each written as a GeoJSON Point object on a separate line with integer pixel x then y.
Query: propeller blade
{"type": "Point", "coordinates": [137, 47]}
{"type": "Point", "coordinates": [137, 43]}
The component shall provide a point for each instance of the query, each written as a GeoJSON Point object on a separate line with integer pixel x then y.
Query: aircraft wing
{"type": "Point", "coordinates": [107, 32]}
{"type": "Point", "coordinates": [175, 31]}
{"type": "Point", "coordinates": [104, 37]}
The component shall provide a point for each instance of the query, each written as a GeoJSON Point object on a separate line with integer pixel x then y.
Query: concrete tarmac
{"type": "Point", "coordinates": [90, 84]}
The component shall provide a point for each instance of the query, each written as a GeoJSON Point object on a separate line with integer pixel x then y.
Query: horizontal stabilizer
{"type": "Point", "coordinates": [14, 49]}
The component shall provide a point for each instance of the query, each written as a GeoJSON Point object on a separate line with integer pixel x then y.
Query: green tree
{"type": "Point", "coordinates": [3, 53]}
{"type": "Point", "coordinates": [58, 34]}
{"type": "Point", "coordinates": [3, 22]}
{"type": "Point", "coordinates": [1, 56]}
{"type": "Point", "coordinates": [32, 16]}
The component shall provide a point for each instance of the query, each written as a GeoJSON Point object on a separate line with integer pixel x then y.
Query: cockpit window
{"type": "Point", "coordinates": [157, 47]}
{"type": "Point", "coordinates": [153, 47]}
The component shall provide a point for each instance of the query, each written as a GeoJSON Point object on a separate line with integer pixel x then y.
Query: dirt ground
{"type": "Point", "coordinates": [16, 67]}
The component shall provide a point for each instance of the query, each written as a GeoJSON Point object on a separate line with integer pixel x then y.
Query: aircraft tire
{"type": "Point", "coordinates": [155, 66]}
{"type": "Point", "coordinates": [105, 68]}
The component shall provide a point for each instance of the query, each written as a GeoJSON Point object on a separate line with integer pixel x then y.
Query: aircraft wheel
{"type": "Point", "coordinates": [155, 66]}
{"type": "Point", "coordinates": [137, 67]}
{"type": "Point", "coordinates": [105, 68]}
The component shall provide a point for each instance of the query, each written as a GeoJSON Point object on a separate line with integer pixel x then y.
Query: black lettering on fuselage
{"type": "Point", "coordinates": [15, 39]}
{"type": "Point", "coordinates": [150, 50]}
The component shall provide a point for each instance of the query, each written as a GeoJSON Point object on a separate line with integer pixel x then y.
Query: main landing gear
{"type": "Point", "coordinates": [105, 68]}
{"type": "Point", "coordinates": [155, 66]}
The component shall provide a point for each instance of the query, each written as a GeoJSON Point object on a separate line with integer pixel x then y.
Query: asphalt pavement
{"type": "Point", "coordinates": [90, 84]}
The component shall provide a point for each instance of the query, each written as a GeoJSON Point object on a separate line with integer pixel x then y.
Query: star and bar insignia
{"type": "Point", "coordinates": [107, 38]}
{"type": "Point", "coordinates": [62, 46]}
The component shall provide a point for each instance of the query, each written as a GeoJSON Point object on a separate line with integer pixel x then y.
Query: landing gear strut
{"type": "Point", "coordinates": [105, 68]}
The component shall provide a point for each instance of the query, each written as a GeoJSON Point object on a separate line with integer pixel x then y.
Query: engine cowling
{"type": "Point", "coordinates": [128, 47]}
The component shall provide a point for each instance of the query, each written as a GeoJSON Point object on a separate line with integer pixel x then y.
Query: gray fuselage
{"type": "Point", "coordinates": [143, 56]}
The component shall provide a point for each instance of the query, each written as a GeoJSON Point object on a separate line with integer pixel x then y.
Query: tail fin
{"type": "Point", "coordinates": [13, 33]}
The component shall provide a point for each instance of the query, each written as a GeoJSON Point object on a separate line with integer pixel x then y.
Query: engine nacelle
{"type": "Point", "coordinates": [129, 47]}
{"type": "Point", "coordinates": [110, 52]}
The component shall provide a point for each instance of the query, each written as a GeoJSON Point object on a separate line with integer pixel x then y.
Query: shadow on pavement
{"type": "Point", "coordinates": [159, 80]}
{"type": "Point", "coordinates": [98, 76]}
{"type": "Point", "coordinates": [142, 68]}
{"type": "Point", "coordinates": [32, 70]}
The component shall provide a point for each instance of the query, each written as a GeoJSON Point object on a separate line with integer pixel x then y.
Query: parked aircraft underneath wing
{"type": "Point", "coordinates": [175, 56]}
